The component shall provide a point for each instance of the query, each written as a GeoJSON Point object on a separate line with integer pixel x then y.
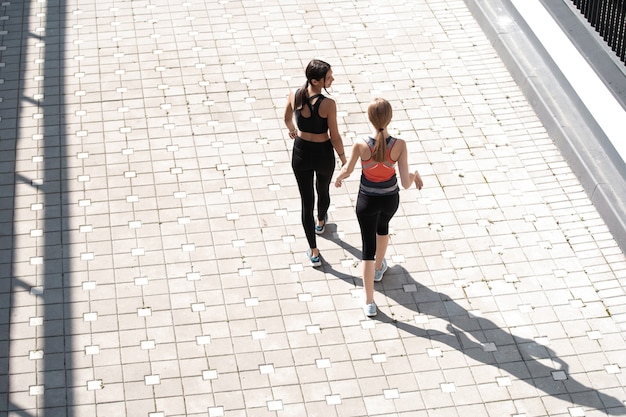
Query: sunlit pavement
{"type": "Point", "coordinates": [152, 257]}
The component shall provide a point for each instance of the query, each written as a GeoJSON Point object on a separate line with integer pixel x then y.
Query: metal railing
{"type": "Point", "coordinates": [608, 17]}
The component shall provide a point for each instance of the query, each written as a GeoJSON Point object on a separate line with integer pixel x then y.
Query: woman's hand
{"type": "Point", "coordinates": [347, 166]}
{"type": "Point", "coordinates": [418, 180]}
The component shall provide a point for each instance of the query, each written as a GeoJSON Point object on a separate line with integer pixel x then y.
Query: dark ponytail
{"type": "Point", "coordinates": [302, 95]}
{"type": "Point", "coordinates": [315, 70]}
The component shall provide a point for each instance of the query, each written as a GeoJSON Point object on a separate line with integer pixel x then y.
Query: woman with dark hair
{"type": "Point", "coordinates": [378, 198]}
{"type": "Point", "coordinates": [315, 137]}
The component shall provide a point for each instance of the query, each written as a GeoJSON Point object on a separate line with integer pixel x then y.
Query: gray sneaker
{"type": "Point", "coordinates": [378, 274]}
{"type": "Point", "coordinates": [370, 310]}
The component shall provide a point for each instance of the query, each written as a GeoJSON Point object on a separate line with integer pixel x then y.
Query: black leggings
{"type": "Point", "coordinates": [374, 214]}
{"type": "Point", "coordinates": [313, 164]}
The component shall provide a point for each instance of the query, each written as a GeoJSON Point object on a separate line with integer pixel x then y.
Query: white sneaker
{"type": "Point", "coordinates": [370, 310]}
{"type": "Point", "coordinates": [378, 274]}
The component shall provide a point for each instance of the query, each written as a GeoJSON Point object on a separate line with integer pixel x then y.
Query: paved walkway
{"type": "Point", "coordinates": [152, 258]}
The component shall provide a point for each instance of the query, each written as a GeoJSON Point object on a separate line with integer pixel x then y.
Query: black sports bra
{"type": "Point", "coordinates": [315, 123]}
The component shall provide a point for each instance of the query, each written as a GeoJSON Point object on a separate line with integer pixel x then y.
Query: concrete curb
{"type": "Point", "coordinates": [566, 118]}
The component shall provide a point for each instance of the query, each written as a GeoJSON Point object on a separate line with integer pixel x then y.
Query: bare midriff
{"type": "Point", "coordinates": [313, 137]}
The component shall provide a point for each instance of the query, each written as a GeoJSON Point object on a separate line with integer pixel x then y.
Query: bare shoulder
{"type": "Point", "coordinates": [291, 98]}
{"type": "Point", "coordinates": [360, 143]}
{"type": "Point", "coordinates": [400, 142]}
{"type": "Point", "coordinates": [398, 148]}
{"type": "Point", "coordinates": [362, 148]}
{"type": "Point", "coordinates": [328, 105]}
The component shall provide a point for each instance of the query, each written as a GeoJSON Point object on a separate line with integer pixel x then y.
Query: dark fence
{"type": "Point", "coordinates": [608, 17]}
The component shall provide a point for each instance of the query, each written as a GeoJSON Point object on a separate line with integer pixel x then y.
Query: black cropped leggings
{"type": "Point", "coordinates": [374, 214]}
{"type": "Point", "coordinates": [313, 164]}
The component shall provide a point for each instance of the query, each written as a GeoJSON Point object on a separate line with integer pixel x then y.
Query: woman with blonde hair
{"type": "Point", "coordinates": [378, 198]}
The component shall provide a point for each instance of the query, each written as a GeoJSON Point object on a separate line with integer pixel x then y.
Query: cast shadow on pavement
{"type": "Point", "coordinates": [482, 340]}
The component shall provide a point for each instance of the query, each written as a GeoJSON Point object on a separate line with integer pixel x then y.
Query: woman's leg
{"type": "Point", "coordinates": [389, 206]}
{"type": "Point", "coordinates": [324, 169]}
{"type": "Point", "coordinates": [307, 199]}
{"type": "Point", "coordinates": [322, 185]}
{"type": "Point", "coordinates": [368, 281]}
{"type": "Point", "coordinates": [304, 173]}
{"type": "Point", "coordinates": [382, 241]}
{"type": "Point", "coordinates": [367, 215]}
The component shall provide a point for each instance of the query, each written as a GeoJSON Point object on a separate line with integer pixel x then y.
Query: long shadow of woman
{"type": "Point", "coordinates": [485, 342]}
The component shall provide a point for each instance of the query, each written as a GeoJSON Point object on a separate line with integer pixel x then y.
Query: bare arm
{"type": "Point", "coordinates": [335, 136]}
{"type": "Point", "coordinates": [407, 178]}
{"type": "Point", "coordinates": [289, 116]}
{"type": "Point", "coordinates": [348, 167]}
